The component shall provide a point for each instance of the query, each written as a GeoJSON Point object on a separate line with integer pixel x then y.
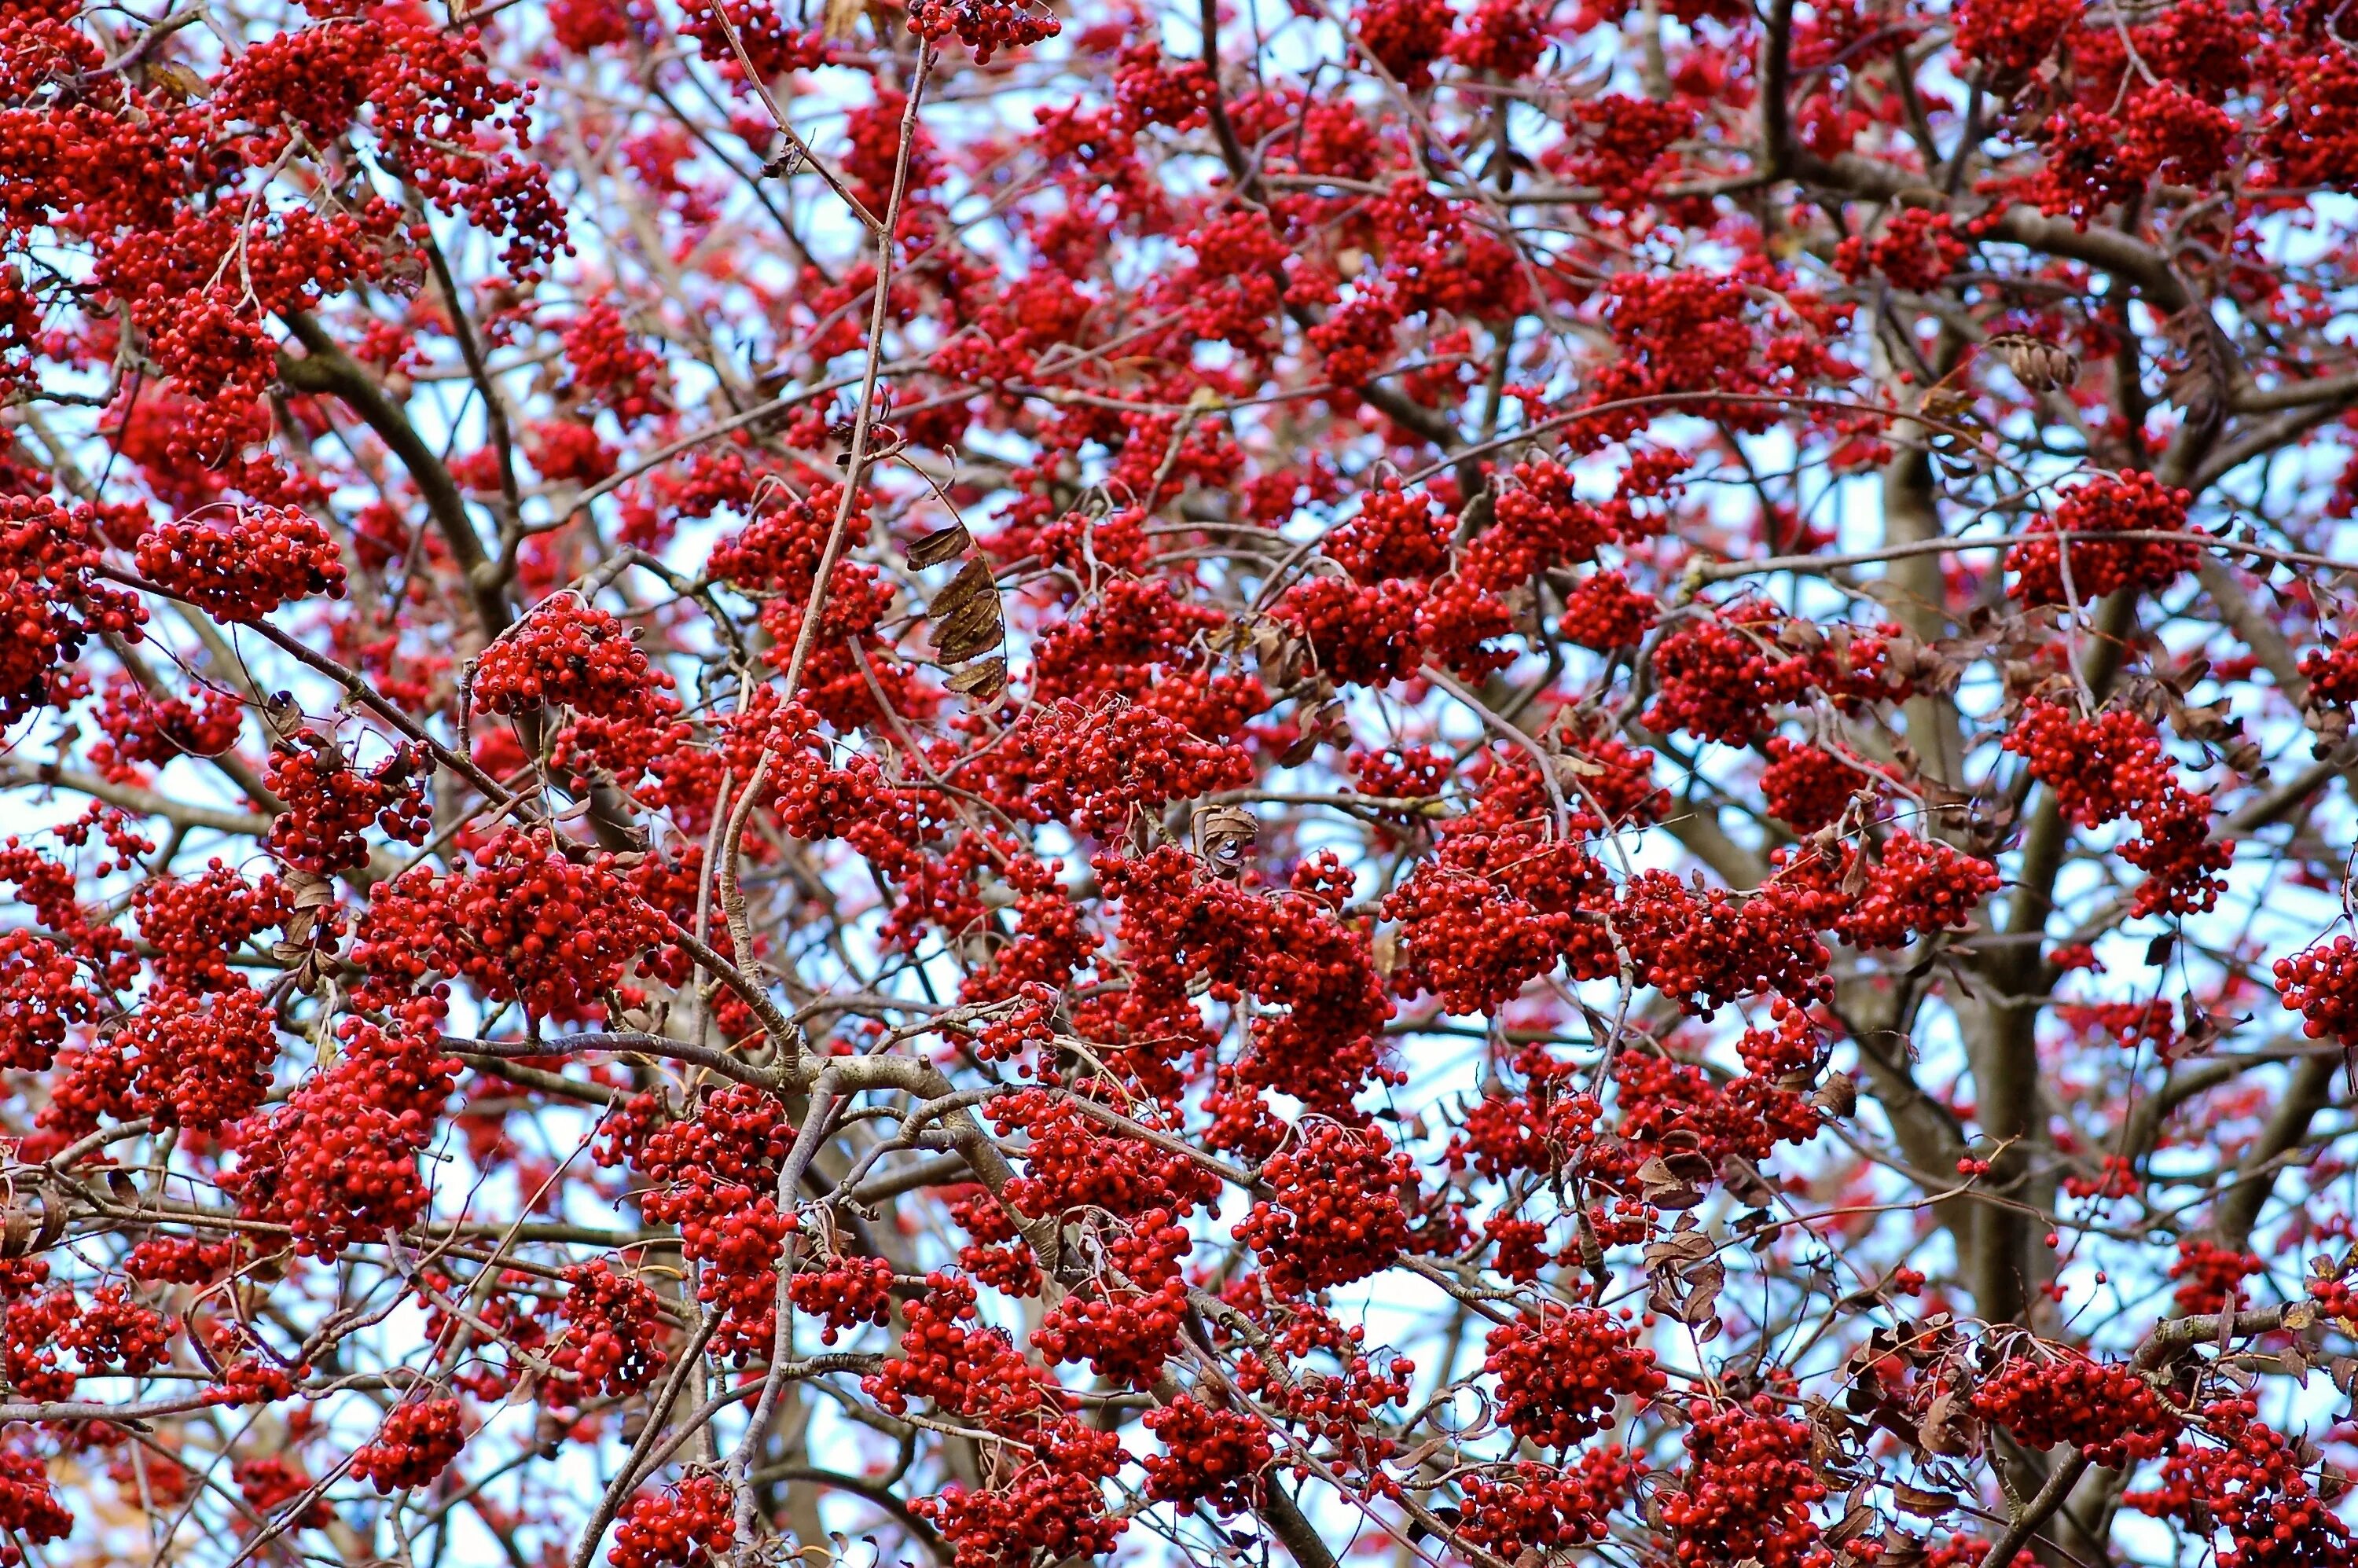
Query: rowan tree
{"type": "Point", "coordinates": [984, 784]}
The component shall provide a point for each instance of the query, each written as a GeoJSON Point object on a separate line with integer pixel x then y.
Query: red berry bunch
{"type": "Point", "coordinates": [1748, 1488]}
{"type": "Point", "coordinates": [1807, 787]}
{"type": "Point", "coordinates": [51, 600]}
{"type": "Point", "coordinates": [1604, 612]}
{"type": "Point", "coordinates": [1547, 1507]}
{"type": "Point", "coordinates": [116, 1332]}
{"type": "Point", "coordinates": [2104, 1409]}
{"type": "Point", "coordinates": [2254, 1486]}
{"type": "Point", "coordinates": [2130, 502]}
{"type": "Point", "coordinates": [1721, 676]}
{"type": "Point", "coordinates": [2211, 1276]}
{"type": "Point", "coordinates": [1711, 948]}
{"type": "Point", "coordinates": [1395, 533]}
{"type": "Point", "coordinates": [202, 1061]}
{"type": "Point", "coordinates": [843, 1293]}
{"type": "Point", "coordinates": [1045, 1514]}
{"type": "Point", "coordinates": [146, 729]}
{"type": "Point", "coordinates": [1469, 941]}
{"type": "Point", "coordinates": [28, 1508]}
{"type": "Point", "coordinates": [2112, 765]}
{"type": "Point", "coordinates": [42, 994]}
{"type": "Point", "coordinates": [1503, 37]}
{"type": "Point", "coordinates": [2332, 673]}
{"type": "Point", "coordinates": [1362, 636]}
{"type": "Point", "coordinates": [1915, 887]}
{"type": "Point", "coordinates": [330, 804]}
{"type": "Point", "coordinates": [2321, 983]}
{"type": "Point", "coordinates": [692, 1525]}
{"type": "Point", "coordinates": [1333, 1215]}
{"type": "Point", "coordinates": [523, 921]}
{"type": "Point", "coordinates": [570, 653]}
{"type": "Point", "coordinates": [1561, 1375]}
{"type": "Point", "coordinates": [1210, 1455]}
{"type": "Point", "coordinates": [415, 1443]}
{"type": "Point", "coordinates": [338, 1163]}
{"type": "Point", "coordinates": [614, 1334]}
{"type": "Point", "coordinates": [1097, 767]}
{"type": "Point", "coordinates": [268, 1482]}
{"type": "Point", "coordinates": [611, 370]}
{"type": "Point", "coordinates": [1405, 37]}
{"type": "Point", "coordinates": [193, 924]}
{"type": "Point", "coordinates": [262, 557]}
{"type": "Point", "coordinates": [1539, 524]}
{"type": "Point", "coordinates": [986, 26]}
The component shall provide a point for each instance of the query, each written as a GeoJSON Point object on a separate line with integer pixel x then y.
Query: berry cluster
{"type": "Point", "coordinates": [1561, 1375]}
{"type": "Point", "coordinates": [986, 26]}
{"type": "Point", "coordinates": [523, 921]}
{"type": "Point", "coordinates": [2104, 1409]}
{"type": "Point", "coordinates": [2109, 504]}
{"type": "Point", "coordinates": [569, 653]}
{"type": "Point", "coordinates": [614, 1343]}
{"type": "Point", "coordinates": [1210, 1455]}
{"type": "Point", "coordinates": [692, 1525]}
{"type": "Point", "coordinates": [241, 570]}
{"type": "Point", "coordinates": [1335, 1212]}
{"type": "Point", "coordinates": [1748, 1488]}
{"type": "Point", "coordinates": [417, 1443]}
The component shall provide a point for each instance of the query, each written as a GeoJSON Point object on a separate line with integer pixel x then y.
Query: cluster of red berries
{"type": "Point", "coordinates": [330, 804]}
{"type": "Point", "coordinates": [985, 26]}
{"type": "Point", "coordinates": [268, 1482]}
{"type": "Point", "coordinates": [692, 1525]}
{"type": "Point", "coordinates": [241, 570]}
{"type": "Point", "coordinates": [2322, 982]}
{"type": "Point", "coordinates": [41, 995]}
{"type": "Point", "coordinates": [1333, 1213]}
{"type": "Point", "coordinates": [2112, 764]}
{"type": "Point", "coordinates": [202, 1061]}
{"type": "Point", "coordinates": [1720, 677]}
{"type": "Point", "coordinates": [1547, 1507]}
{"type": "Point", "coordinates": [1561, 1375]}
{"type": "Point", "coordinates": [570, 653]}
{"type": "Point", "coordinates": [842, 1292]}
{"type": "Point", "coordinates": [145, 729]}
{"type": "Point", "coordinates": [1708, 948]}
{"type": "Point", "coordinates": [1210, 1455]}
{"type": "Point", "coordinates": [29, 1510]}
{"type": "Point", "coordinates": [2210, 1277]}
{"type": "Point", "coordinates": [2254, 1486]}
{"type": "Point", "coordinates": [1096, 767]}
{"type": "Point", "coordinates": [415, 1443]}
{"type": "Point", "coordinates": [1362, 636]}
{"type": "Point", "coordinates": [338, 1163]}
{"type": "Point", "coordinates": [524, 921]}
{"type": "Point", "coordinates": [1603, 612]}
{"type": "Point", "coordinates": [1748, 1488]}
{"type": "Point", "coordinates": [193, 924]}
{"type": "Point", "coordinates": [615, 1331]}
{"type": "Point", "coordinates": [51, 599]}
{"type": "Point", "coordinates": [2130, 502]}
{"type": "Point", "coordinates": [2104, 1409]}
{"type": "Point", "coordinates": [1806, 787]}
{"type": "Point", "coordinates": [117, 1332]}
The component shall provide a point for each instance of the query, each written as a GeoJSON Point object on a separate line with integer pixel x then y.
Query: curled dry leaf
{"type": "Point", "coordinates": [2039, 365]}
{"type": "Point", "coordinates": [1224, 837]}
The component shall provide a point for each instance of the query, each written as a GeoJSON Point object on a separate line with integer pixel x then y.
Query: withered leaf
{"type": "Point", "coordinates": [948, 543]}
{"type": "Point", "coordinates": [1922, 1503]}
{"type": "Point", "coordinates": [1855, 1521]}
{"type": "Point", "coordinates": [1224, 835]}
{"type": "Point", "coordinates": [983, 679]}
